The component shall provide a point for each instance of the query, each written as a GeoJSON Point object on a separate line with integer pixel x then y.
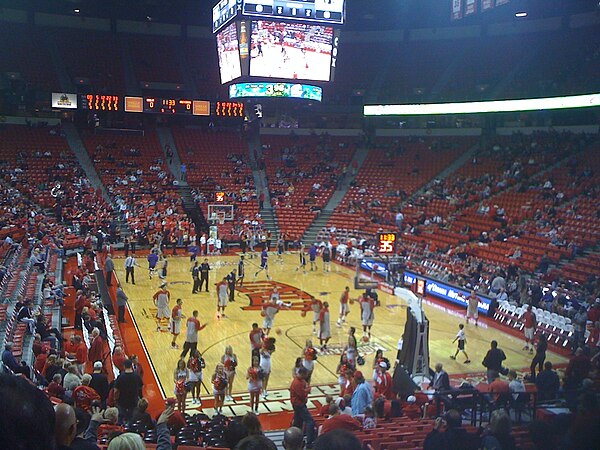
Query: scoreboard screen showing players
{"type": "Point", "coordinates": [325, 11]}
{"type": "Point", "coordinates": [228, 49]}
{"type": "Point", "coordinates": [290, 50]}
{"type": "Point", "coordinates": [285, 90]}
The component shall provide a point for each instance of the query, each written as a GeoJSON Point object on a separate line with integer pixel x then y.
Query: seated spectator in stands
{"type": "Point", "coordinates": [26, 417]}
{"type": "Point", "coordinates": [252, 424]}
{"type": "Point", "coordinates": [118, 358]}
{"type": "Point", "coordinates": [583, 432]}
{"type": "Point", "coordinates": [55, 388]}
{"type": "Point", "coordinates": [578, 369]}
{"type": "Point", "coordinates": [51, 367]}
{"type": "Point", "coordinates": [328, 401]}
{"type": "Point", "coordinates": [498, 435]}
{"type": "Point", "coordinates": [338, 420]}
{"type": "Point", "coordinates": [368, 418]}
{"type": "Point", "coordinates": [9, 361]}
{"type": "Point", "coordinates": [411, 409]}
{"type": "Point", "coordinates": [176, 420]}
{"type": "Point", "coordinates": [515, 385]}
{"type": "Point", "coordinates": [25, 315]}
{"type": "Point", "coordinates": [133, 441]}
{"type": "Point", "coordinates": [83, 395]}
{"type": "Point", "coordinates": [293, 439]}
{"type": "Point", "coordinates": [547, 383]}
{"type": "Point", "coordinates": [256, 442]}
{"type": "Point", "coordinates": [111, 415]}
{"type": "Point", "coordinates": [99, 381]}
{"type": "Point", "coordinates": [96, 351]}
{"type": "Point", "coordinates": [47, 333]}
{"type": "Point", "coordinates": [447, 434]}
{"type": "Point", "coordinates": [80, 442]}
{"type": "Point", "coordinates": [141, 417]}
{"type": "Point", "coordinates": [337, 440]}
{"type": "Point", "coordinates": [499, 388]}
{"type": "Point", "coordinates": [37, 260]}
{"type": "Point", "coordinates": [72, 379]}
{"type": "Point", "coordinates": [79, 356]}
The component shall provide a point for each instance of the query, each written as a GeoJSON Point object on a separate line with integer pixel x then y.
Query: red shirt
{"type": "Point", "coordinates": [96, 349]}
{"type": "Point", "coordinates": [55, 390]}
{"type": "Point", "coordinates": [84, 396]}
{"type": "Point", "coordinates": [412, 410]}
{"type": "Point", "coordinates": [498, 387]}
{"type": "Point", "coordinates": [119, 361]}
{"type": "Point", "coordinates": [299, 390]}
{"type": "Point", "coordinates": [341, 421]}
{"type": "Point", "coordinates": [175, 312]}
{"type": "Point", "coordinates": [345, 297]}
{"type": "Point", "coordinates": [529, 319]}
{"type": "Point", "coordinates": [81, 353]}
{"type": "Point", "coordinates": [322, 315]}
{"type": "Point", "coordinates": [384, 386]}
{"type": "Point", "coordinates": [256, 338]}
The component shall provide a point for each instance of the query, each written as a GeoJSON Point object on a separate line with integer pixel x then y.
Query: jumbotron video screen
{"type": "Point", "coordinates": [229, 56]}
{"type": "Point", "coordinates": [290, 50]}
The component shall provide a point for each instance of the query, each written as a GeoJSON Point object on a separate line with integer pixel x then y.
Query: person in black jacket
{"type": "Point", "coordinates": [99, 381]}
{"type": "Point", "coordinates": [493, 361]}
{"type": "Point", "coordinates": [453, 437]}
{"type": "Point", "coordinates": [540, 356]}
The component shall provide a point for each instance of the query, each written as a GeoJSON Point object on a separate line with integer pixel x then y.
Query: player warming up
{"type": "Point", "coordinates": [152, 261]}
{"type": "Point", "coordinates": [241, 270]}
{"type": "Point", "coordinates": [316, 306]}
{"type": "Point", "coordinates": [324, 326]}
{"type": "Point", "coordinates": [344, 308]}
{"type": "Point", "coordinates": [161, 300]}
{"type": "Point", "coordinates": [175, 322]}
{"type": "Point", "coordinates": [472, 307]}
{"type": "Point", "coordinates": [222, 298]}
{"type": "Point", "coordinates": [462, 340]}
{"type": "Point", "coordinates": [302, 265]}
{"type": "Point", "coordinates": [367, 306]}
{"type": "Point", "coordinates": [264, 264]}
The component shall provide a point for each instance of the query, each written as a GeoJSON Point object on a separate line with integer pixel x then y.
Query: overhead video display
{"type": "Point", "coordinates": [325, 11]}
{"type": "Point", "coordinates": [290, 50]}
{"type": "Point", "coordinates": [229, 55]}
{"type": "Point", "coordinates": [287, 90]}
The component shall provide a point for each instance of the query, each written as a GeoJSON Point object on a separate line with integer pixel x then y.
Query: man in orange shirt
{"type": "Point", "coordinates": [499, 387]}
{"type": "Point", "coordinates": [529, 326]}
{"type": "Point", "coordinates": [337, 421]}
{"type": "Point", "coordinates": [299, 391]}
{"type": "Point", "coordinates": [84, 395]}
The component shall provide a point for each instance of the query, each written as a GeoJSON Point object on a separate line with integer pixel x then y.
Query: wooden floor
{"type": "Point", "coordinates": [295, 329]}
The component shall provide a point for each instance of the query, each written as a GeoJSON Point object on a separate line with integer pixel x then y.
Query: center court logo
{"type": "Point", "coordinates": [259, 292]}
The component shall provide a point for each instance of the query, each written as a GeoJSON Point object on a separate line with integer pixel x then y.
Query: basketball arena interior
{"type": "Point", "coordinates": [303, 224]}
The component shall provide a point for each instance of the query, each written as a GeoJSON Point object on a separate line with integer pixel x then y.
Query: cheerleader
{"type": "Point", "coordinates": [351, 347]}
{"type": "Point", "coordinates": [230, 361]}
{"type": "Point", "coordinates": [195, 365]}
{"type": "Point", "coordinates": [265, 362]}
{"type": "Point", "coordinates": [376, 360]}
{"type": "Point", "coordinates": [309, 357]}
{"type": "Point", "coordinates": [255, 383]}
{"type": "Point", "coordinates": [180, 376]}
{"type": "Point", "coordinates": [219, 382]}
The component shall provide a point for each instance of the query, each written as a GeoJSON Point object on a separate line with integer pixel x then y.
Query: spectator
{"type": "Point", "coordinates": [252, 424]}
{"type": "Point", "coordinates": [411, 409]}
{"type": "Point", "coordinates": [55, 388]}
{"type": "Point", "coordinates": [133, 441]}
{"type": "Point", "coordinates": [453, 438]}
{"type": "Point", "coordinates": [26, 417]}
{"type": "Point", "coordinates": [119, 358]}
{"type": "Point", "coordinates": [141, 415]}
{"type": "Point", "coordinates": [109, 268]}
{"type": "Point", "coordinates": [99, 381]}
{"type": "Point", "coordinates": [25, 315]}
{"type": "Point", "coordinates": [498, 434]}
{"type": "Point", "coordinates": [337, 440]}
{"type": "Point", "coordinates": [128, 390]}
{"type": "Point", "coordinates": [547, 383]}
{"type": "Point", "coordinates": [256, 442]}
{"type": "Point", "coordinates": [9, 361]}
{"type": "Point", "coordinates": [493, 361]}
{"type": "Point", "coordinates": [578, 369]}
{"type": "Point", "coordinates": [440, 381]}
{"type": "Point", "coordinates": [515, 385]}
{"type": "Point", "coordinates": [121, 303]}
{"type": "Point", "coordinates": [83, 425]}
{"type": "Point", "coordinates": [293, 439]}
{"type": "Point", "coordinates": [299, 391]}
{"type": "Point", "coordinates": [337, 420]}
{"type": "Point", "coordinates": [362, 395]}
{"type": "Point", "coordinates": [84, 395]}
{"type": "Point", "coordinates": [96, 351]}
{"type": "Point", "coordinates": [111, 416]}
{"type": "Point", "coordinates": [72, 379]}
{"type": "Point", "coordinates": [540, 356]}
{"type": "Point", "coordinates": [579, 324]}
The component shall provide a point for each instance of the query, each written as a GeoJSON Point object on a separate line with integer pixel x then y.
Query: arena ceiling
{"type": "Point", "coordinates": [361, 14]}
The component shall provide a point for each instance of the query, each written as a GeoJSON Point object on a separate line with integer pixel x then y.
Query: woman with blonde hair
{"type": "Point", "coordinates": [180, 376]}
{"type": "Point", "coordinates": [219, 381]}
{"type": "Point", "coordinates": [230, 362]}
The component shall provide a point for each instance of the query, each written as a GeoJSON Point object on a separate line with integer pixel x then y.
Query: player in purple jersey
{"type": "Point", "coordinates": [264, 264]}
{"type": "Point", "coordinates": [152, 260]}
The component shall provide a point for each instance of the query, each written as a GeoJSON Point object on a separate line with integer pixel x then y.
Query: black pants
{"type": "Point", "coordinates": [538, 360]}
{"type": "Point", "coordinates": [202, 281]}
{"type": "Point", "coordinates": [188, 347]}
{"type": "Point", "coordinates": [130, 271]}
{"type": "Point", "coordinates": [121, 313]}
{"type": "Point", "coordinates": [196, 287]}
{"type": "Point", "coordinates": [255, 352]}
{"type": "Point", "coordinates": [109, 275]}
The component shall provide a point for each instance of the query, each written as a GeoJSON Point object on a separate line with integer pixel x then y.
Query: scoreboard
{"type": "Point", "coordinates": [332, 12]}
{"type": "Point", "coordinates": [100, 102]}
{"type": "Point", "coordinates": [386, 243]}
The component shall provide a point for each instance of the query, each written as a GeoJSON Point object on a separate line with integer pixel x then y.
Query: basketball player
{"type": "Point", "coordinates": [324, 326]}
{"type": "Point", "coordinates": [326, 255]}
{"type": "Point", "coordinates": [280, 249]}
{"type": "Point", "coordinates": [163, 271]}
{"type": "Point", "coordinates": [462, 340]}
{"type": "Point", "coordinates": [231, 285]}
{"type": "Point", "coordinates": [269, 310]}
{"type": "Point", "coordinates": [264, 264]}
{"type": "Point", "coordinates": [152, 260]}
{"type": "Point", "coordinates": [351, 350]}
{"type": "Point", "coordinates": [175, 322]}
{"type": "Point", "coordinates": [472, 307]}
{"type": "Point", "coordinates": [316, 306]}
{"type": "Point", "coordinates": [312, 256]}
{"type": "Point", "coordinates": [222, 298]}
{"type": "Point", "coordinates": [241, 270]}
{"type": "Point", "coordinates": [344, 308]}
{"type": "Point", "coordinates": [161, 300]}
{"type": "Point", "coordinates": [276, 297]}
{"type": "Point", "coordinates": [367, 306]}
{"type": "Point", "coordinates": [302, 261]}
{"type": "Point", "coordinates": [529, 324]}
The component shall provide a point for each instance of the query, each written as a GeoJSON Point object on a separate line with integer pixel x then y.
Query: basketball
{"type": "Point", "coordinates": [263, 313]}
{"type": "Point", "coordinates": [303, 313]}
{"type": "Point", "coordinates": [365, 338]}
{"type": "Point", "coordinates": [278, 331]}
{"type": "Point", "coordinates": [352, 301]}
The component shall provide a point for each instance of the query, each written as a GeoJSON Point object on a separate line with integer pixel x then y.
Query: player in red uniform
{"type": "Point", "coordinates": [344, 308]}
{"type": "Point", "coordinates": [529, 322]}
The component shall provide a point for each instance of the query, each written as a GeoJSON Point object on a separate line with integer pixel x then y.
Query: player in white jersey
{"type": "Point", "coordinates": [462, 340]}
{"type": "Point", "coordinates": [223, 298]}
{"type": "Point", "coordinates": [161, 300]}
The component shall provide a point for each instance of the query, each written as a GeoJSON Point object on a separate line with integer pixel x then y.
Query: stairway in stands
{"type": "Point", "coordinates": [320, 222]}
{"type": "Point", "coordinates": [189, 205]}
{"type": "Point", "coordinates": [267, 213]}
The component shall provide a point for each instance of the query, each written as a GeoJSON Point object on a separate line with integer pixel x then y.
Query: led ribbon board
{"type": "Point", "coordinates": [495, 106]}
